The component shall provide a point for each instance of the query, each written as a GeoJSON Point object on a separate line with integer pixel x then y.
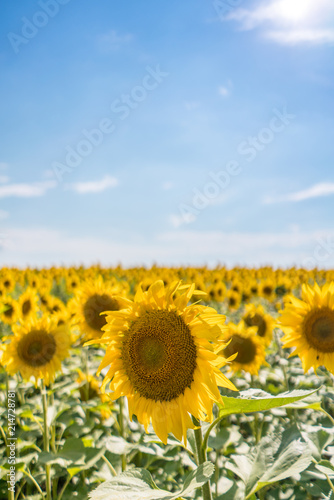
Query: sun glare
{"type": "Point", "coordinates": [296, 10]}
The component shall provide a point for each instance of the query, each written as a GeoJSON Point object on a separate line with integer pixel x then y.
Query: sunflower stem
{"type": "Point", "coordinates": [68, 479]}
{"type": "Point", "coordinates": [10, 493]}
{"type": "Point", "coordinates": [121, 428]}
{"type": "Point", "coordinates": [28, 474]}
{"type": "Point", "coordinates": [281, 355]}
{"type": "Point", "coordinates": [290, 413]}
{"type": "Point", "coordinates": [207, 434]}
{"type": "Point", "coordinates": [46, 440]}
{"type": "Point", "coordinates": [201, 456]}
{"type": "Point", "coordinates": [86, 371]}
{"type": "Point", "coordinates": [255, 423]}
{"type": "Point", "coordinates": [112, 470]}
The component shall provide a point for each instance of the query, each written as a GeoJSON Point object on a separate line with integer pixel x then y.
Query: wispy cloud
{"type": "Point", "coordinates": [3, 214]}
{"type": "Point", "coordinates": [113, 41]}
{"type": "Point", "coordinates": [316, 191]}
{"type": "Point", "coordinates": [26, 190]}
{"type": "Point", "coordinates": [293, 37]}
{"type": "Point", "coordinates": [94, 186]}
{"type": "Point", "coordinates": [167, 185]}
{"type": "Point", "coordinates": [225, 90]}
{"type": "Point", "coordinates": [289, 22]}
{"type": "Point", "coordinates": [44, 246]}
{"type": "Point", "coordinates": [179, 220]}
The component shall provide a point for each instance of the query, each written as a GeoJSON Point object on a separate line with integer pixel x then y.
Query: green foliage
{"type": "Point", "coordinates": [138, 485]}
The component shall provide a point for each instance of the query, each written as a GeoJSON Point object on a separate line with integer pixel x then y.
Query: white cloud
{"type": "Point", "coordinates": [44, 247]}
{"type": "Point", "coordinates": [94, 186]}
{"type": "Point", "coordinates": [23, 190]}
{"type": "Point", "coordinates": [166, 186]}
{"type": "Point", "coordinates": [113, 41]}
{"type": "Point", "coordinates": [316, 191]}
{"type": "Point", "coordinates": [293, 37]}
{"type": "Point", "coordinates": [289, 21]}
{"type": "Point", "coordinates": [223, 91]}
{"type": "Point", "coordinates": [178, 220]}
{"type": "Point", "coordinates": [3, 214]}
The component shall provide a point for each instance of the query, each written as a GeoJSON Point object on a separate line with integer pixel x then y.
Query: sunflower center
{"type": "Point", "coordinates": [257, 320]}
{"type": "Point", "coordinates": [319, 329]}
{"type": "Point", "coordinates": [37, 348]}
{"type": "Point", "coordinates": [152, 353]}
{"type": "Point", "coordinates": [26, 306]}
{"type": "Point", "coordinates": [267, 290]}
{"type": "Point", "coordinates": [9, 311]}
{"type": "Point", "coordinates": [245, 348]}
{"type": "Point", "coordinates": [159, 355]}
{"type": "Point", "coordinates": [95, 305]}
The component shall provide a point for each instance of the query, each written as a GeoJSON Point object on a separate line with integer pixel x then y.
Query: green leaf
{"type": "Point", "coordinates": [326, 468]}
{"type": "Point", "coordinates": [138, 484]}
{"type": "Point", "coordinates": [92, 456]}
{"type": "Point", "coordinates": [275, 458]}
{"type": "Point", "coordinates": [255, 400]}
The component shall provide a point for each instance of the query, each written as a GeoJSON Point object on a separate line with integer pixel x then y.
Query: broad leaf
{"type": "Point", "coordinates": [275, 458]}
{"type": "Point", "coordinates": [139, 485]}
{"type": "Point", "coordinates": [255, 400]}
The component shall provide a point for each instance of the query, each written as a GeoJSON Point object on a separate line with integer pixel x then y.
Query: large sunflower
{"type": "Point", "coordinates": [247, 347]}
{"type": "Point", "coordinates": [264, 323]}
{"type": "Point", "coordinates": [164, 356]}
{"type": "Point", "coordinates": [36, 349]}
{"type": "Point", "coordinates": [308, 325]}
{"type": "Point", "coordinates": [91, 299]}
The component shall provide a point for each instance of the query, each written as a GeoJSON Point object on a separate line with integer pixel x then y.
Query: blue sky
{"type": "Point", "coordinates": [117, 119]}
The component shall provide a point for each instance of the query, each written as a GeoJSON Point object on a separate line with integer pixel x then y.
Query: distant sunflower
{"type": "Point", "coordinates": [91, 299]}
{"type": "Point", "coordinates": [267, 289]}
{"type": "Point", "coordinates": [9, 310]}
{"type": "Point", "coordinates": [264, 323]}
{"type": "Point", "coordinates": [249, 348]}
{"type": "Point", "coordinates": [233, 300]}
{"type": "Point", "coordinates": [7, 281]}
{"type": "Point", "coordinates": [164, 356]}
{"type": "Point", "coordinates": [28, 304]}
{"type": "Point", "coordinates": [36, 349]}
{"type": "Point", "coordinates": [93, 385]}
{"type": "Point", "coordinates": [308, 325]}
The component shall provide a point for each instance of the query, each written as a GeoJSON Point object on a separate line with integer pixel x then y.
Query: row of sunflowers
{"type": "Point", "coordinates": [170, 340]}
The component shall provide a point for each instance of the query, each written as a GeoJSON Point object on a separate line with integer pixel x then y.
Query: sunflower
{"type": "Point", "coordinates": [93, 392]}
{"type": "Point", "coordinates": [8, 282]}
{"type": "Point", "coordinates": [217, 292]}
{"type": "Point", "coordinates": [164, 356]}
{"type": "Point", "coordinates": [247, 346]}
{"type": "Point", "coordinates": [264, 323]}
{"type": "Point", "coordinates": [233, 300]}
{"type": "Point", "coordinates": [267, 289]}
{"type": "Point", "coordinates": [308, 325]}
{"type": "Point", "coordinates": [9, 310]}
{"type": "Point", "coordinates": [28, 304]}
{"type": "Point", "coordinates": [72, 282]}
{"type": "Point", "coordinates": [36, 349]}
{"type": "Point", "coordinates": [91, 299]}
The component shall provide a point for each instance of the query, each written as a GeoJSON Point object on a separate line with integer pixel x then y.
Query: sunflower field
{"type": "Point", "coordinates": [166, 383]}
